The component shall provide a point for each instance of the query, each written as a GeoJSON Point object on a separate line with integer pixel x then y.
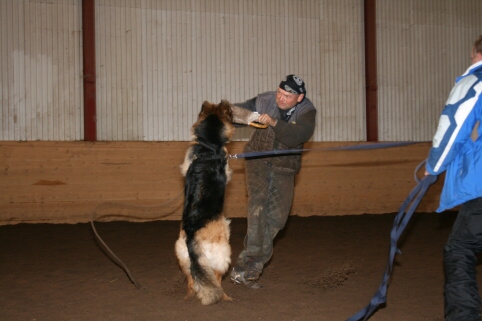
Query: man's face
{"type": "Point", "coordinates": [475, 56]}
{"type": "Point", "coordinates": [286, 100]}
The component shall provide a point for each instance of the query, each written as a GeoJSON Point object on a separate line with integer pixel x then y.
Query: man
{"type": "Point", "coordinates": [270, 180]}
{"type": "Point", "coordinates": [455, 151]}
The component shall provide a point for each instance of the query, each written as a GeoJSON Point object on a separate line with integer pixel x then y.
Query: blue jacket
{"type": "Point", "coordinates": [453, 150]}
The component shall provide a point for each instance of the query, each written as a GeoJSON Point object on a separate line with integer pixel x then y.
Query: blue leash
{"type": "Point", "coordinates": [399, 224]}
{"type": "Point", "coordinates": [299, 151]}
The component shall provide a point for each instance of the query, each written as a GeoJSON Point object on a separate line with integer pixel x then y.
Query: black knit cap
{"type": "Point", "coordinates": [293, 84]}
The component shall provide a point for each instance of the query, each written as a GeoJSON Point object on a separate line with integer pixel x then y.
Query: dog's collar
{"type": "Point", "coordinates": [217, 155]}
{"type": "Point", "coordinates": [210, 147]}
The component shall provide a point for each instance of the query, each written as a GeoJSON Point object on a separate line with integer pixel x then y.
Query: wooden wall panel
{"type": "Point", "coordinates": [70, 181]}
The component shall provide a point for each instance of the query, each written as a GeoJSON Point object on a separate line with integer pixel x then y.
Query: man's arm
{"type": "Point", "coordinates": [455, 124]}
{"type": "Point", "coordinates": [294, 134]}
{"type": "Point", "coordinates": [244, 113]}
{"type": "Point", "coordinates": [248, 104]}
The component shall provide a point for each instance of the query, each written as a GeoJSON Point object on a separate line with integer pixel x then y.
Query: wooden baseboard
{"type": "Point", "coordinates": [69, 182]}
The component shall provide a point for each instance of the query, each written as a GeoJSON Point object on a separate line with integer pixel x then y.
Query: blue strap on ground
{"type": "Point", "coordinates": [299, 151]}
{"type": "Point", "coordinates": [400, 222]}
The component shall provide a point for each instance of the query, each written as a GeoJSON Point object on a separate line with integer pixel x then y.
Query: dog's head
{"type": "Point", "coordinates": [214, 124]}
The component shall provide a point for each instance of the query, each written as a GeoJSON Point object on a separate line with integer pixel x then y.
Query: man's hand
{"type": "Point", "coordinates": [265, 119]}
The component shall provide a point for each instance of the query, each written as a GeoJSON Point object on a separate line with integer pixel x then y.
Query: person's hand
{"type": "Point", "coordinates": [265, 119]}
{"type": "Point", "coordinates": [427, 173]}
{"type": "Point", "coordinates": [253, 117]}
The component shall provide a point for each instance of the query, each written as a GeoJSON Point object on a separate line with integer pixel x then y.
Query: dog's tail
{"type": "Point", "coordinates": [206, 285]}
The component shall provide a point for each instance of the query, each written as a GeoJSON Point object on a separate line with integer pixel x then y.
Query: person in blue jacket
{"type": "Point", "coordinates": [457, 150]}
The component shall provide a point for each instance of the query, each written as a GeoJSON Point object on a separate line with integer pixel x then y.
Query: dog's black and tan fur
{"type": "Point", "coordinates": [203, 248]}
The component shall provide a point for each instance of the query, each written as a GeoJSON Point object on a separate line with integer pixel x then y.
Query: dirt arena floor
{"type": "Point", "coordinates": [324, 268]}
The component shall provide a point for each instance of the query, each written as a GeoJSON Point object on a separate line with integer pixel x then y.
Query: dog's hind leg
{"type": "Point", "coordinates": [184, 262]}
{"type": "Point", "coordinates": [190, 287]}
{"type": "Point", "coordinates": [227, 298]}
{"type": "Point", "coordinates": [219, 278]}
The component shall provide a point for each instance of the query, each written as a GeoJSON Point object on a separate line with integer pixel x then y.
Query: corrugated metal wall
{"type": "Point", "coordinates": [40, 70]}
{"type": "Point", "coordinates": [342, 105]}
{"type": "Point", "coordinates": [422, 47]}
{"type": "Point", "coordinates": [157, 60]}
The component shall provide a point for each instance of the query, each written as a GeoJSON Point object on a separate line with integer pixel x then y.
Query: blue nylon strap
{"type": "Point", "coordinates": [399, 224]}
{"type": "Point", "coordinates": [299, 151]}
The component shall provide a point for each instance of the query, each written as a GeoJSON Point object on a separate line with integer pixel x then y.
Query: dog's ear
{"type": "Point", "coordinates": [205, 108]}
{"type": "Point", "coordinates": [225, 110]}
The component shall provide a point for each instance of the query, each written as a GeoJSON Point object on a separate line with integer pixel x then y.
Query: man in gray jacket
{"type": "Point", "coordinates": [270, 180]}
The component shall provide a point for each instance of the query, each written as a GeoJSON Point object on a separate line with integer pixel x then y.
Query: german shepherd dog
{"type": "Point", "coordinates": [203, 249]}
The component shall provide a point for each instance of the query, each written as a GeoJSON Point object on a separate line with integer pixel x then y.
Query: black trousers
{"type": "Point", "coordinates": [462, 299]}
